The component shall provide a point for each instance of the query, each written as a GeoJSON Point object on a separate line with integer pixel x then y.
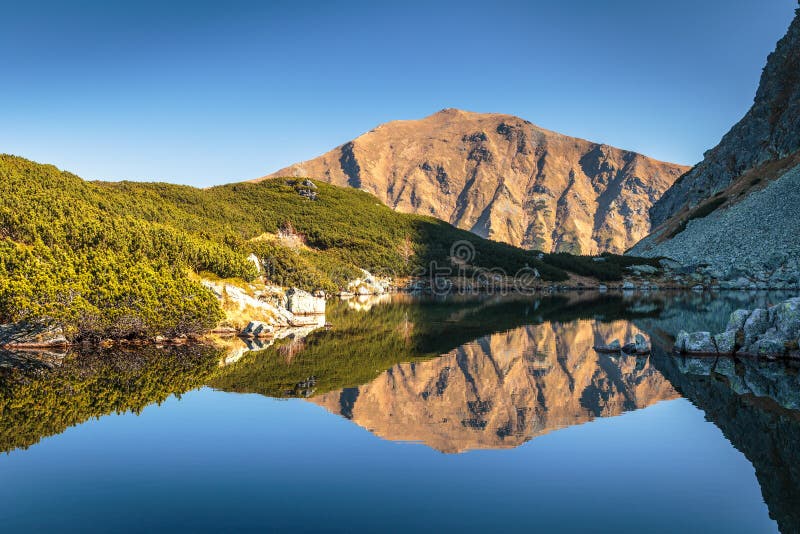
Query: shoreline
{"type": "Point", "coordinates": [227, 333]}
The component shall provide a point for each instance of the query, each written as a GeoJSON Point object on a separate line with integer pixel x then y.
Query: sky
{"type": "Point", "coordinates": [206, 93]}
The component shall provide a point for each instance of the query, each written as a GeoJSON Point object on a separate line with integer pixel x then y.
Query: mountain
{"type": "Point", "coordinates": [504, 389]}
{"type": "Point", "coordinates": [737, 209]}
{"type": "Point", "coordinates": [503, 178]}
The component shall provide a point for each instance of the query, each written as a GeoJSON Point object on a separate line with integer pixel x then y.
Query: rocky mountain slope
{"type": "Point", "coordinates": [504, 178]}
{"type": "Point", "coordinates": [737, 209]}
{"type": "Point", "coordinates": [504, 389]}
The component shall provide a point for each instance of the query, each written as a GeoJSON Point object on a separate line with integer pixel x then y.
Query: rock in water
{"type": "Point", "coordinates": [726, 342]}
{"type": "Point", "coordinates": [301, 302]}
{"type": "Point", "coordinates": [696, 342]}
{"type": "Point", "coordinates": [737, 319]}
{"type": "Point", "coordinates": [755, 325]}
{"type": "Point", "coordinates": [769, 344]}
{"type": "Point", "coordinates": [767, 333]}
{"type": "Point", "coordinates": [257, 329]}
{"type": "Point", "coordinates": [787, 318]}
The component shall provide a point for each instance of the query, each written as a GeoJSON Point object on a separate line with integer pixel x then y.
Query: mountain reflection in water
{"type": "Point", "coordinates": [504, 389]}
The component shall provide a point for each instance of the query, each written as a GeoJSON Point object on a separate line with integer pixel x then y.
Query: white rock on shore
{"type": "Point", "coordinates": [301, 302]}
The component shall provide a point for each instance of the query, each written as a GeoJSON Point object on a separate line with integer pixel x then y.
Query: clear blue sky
{"type": "Point", "coordinates": [212, 92]}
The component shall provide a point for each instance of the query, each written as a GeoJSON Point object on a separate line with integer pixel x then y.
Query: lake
{"type": "Point", "coordinates": [469, 413]}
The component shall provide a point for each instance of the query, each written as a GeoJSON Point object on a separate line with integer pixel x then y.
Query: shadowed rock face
{"type": "Point", "coordinates": [503, 178]}
{"type": "Point", "coordinates": [504, 389]}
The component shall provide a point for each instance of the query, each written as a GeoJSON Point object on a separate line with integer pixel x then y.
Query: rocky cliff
{"type": "Point", "coordinates": [769, 132]}
{"type": "Point", "coordinates": [736, 211]}
{"type": "Point", "coordinates": [504, 389]}
{"type": "Point", "coordinates": [504, 178]}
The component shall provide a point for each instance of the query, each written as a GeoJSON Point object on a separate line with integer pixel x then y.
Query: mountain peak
{"type": "Point", "coordinates": [504, 178]}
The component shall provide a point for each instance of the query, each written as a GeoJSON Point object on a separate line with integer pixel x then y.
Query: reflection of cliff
{"type": "Point", "coordinates": [504, 389]}
{"type": "Point", "coordinates": [755, 404]}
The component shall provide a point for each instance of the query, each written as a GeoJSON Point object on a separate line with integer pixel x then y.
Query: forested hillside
{"type": "Point", "coordinates": [122, 259]}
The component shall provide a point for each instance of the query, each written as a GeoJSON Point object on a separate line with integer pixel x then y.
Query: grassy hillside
{"type": "Point", "coordinates": [116, 259]}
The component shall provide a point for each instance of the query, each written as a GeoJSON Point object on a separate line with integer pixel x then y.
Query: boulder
{"type": "Point", "coordinates": [786, 316]}
{"type": "Point", "coordinates": [726, 342]}
{"type": "Point", "coordinates": [369, 285]}
{"type": "Point", "coordinates": [755, 325]}
{"type": "Point", "coordinates": [301, 302]}
{"type": "Point", "coordinates": [771, 343]}
{"type": "Point", "coordinates": [628, 285]}
{"type": "Point", "coordinates": [696, 342]}
{"type": "Point", "coordinates": [33, 335]}
{"type": "Point", "coordinates": [257, 329]}
{"type": "Point", "coordinates": [680, 341]}
{"type": "Point", "coordinates": [737, 319]}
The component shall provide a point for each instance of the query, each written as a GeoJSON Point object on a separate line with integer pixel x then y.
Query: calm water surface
{"type": "Point", "coordinates": [476, 414]}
